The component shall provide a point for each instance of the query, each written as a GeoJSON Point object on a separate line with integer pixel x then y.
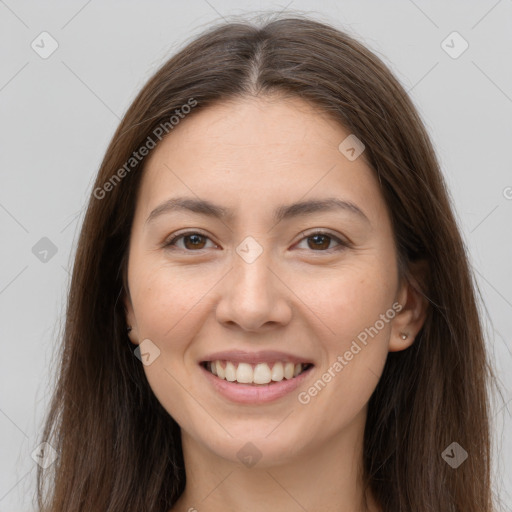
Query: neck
{"type": "Point", "coordinates": [325, 477]}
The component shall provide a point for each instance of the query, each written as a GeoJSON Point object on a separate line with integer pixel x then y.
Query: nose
{"type": "Point", "coordinates": [254, 296]}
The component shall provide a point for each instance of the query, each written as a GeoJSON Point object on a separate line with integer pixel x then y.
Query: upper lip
{"type": "Point", "coordinates": [263, 356]}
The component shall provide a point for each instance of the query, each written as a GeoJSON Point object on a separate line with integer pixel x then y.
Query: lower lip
{"type": "Point", "coordinates": [258, 393]}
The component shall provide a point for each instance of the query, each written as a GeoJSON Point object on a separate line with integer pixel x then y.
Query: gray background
{"type": "Point", "coordinates": [59, 113]}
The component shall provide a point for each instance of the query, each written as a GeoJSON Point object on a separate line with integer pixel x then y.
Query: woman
{"type": "Point", "coordinates": [271, 305]}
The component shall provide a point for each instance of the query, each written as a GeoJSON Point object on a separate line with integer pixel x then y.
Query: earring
{"type": "Point", "coordinates": [404, 335]}
{"type": "Point", "coordinates": [128, 329]}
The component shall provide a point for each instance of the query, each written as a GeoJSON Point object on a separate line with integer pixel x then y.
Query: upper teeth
{"type": "Point", "coordinates": [244, 373]}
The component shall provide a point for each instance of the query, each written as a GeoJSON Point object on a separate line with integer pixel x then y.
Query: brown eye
{"type": "Point", "coordinates": [191, 240]}
{"type": "Point", "coordinates": [194, 241]}
{"type": "Point", "coordinates": [320, 242]}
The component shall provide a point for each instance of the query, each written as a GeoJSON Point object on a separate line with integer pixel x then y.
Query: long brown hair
{"type": "Point", "coordinates": [119, 450]}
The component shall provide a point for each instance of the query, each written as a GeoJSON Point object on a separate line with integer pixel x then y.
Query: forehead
{"type": "Point", "coordinates": [242, 125]}
{"type": "Point", "coordinates": [253, 151]}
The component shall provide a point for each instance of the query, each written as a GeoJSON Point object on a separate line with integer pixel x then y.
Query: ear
{"type": "Point", "coordinates": [410, 319]}
{"type": "Point", "coordinates": [131, 324]}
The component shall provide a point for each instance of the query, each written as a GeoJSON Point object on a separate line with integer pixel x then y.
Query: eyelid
{"type": "Point", "coordinates": [319, 231]}
{"type": "Point", "coordinates": [179, 234]}
{"type": "Point", "coordinates": [342, 241]}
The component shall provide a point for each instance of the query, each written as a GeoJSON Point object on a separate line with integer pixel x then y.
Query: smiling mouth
{"type": "Point", "coordinates": [255, 374]}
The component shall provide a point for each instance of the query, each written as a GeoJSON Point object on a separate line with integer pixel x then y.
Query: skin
{"type": "Point", "coordinates": [253, 155]}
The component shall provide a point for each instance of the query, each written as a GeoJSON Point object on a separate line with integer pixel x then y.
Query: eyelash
{"type": "Point", "coordinates": [342, 244]}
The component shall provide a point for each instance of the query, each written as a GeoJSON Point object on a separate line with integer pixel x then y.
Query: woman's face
{"type": "Point", "coordinates": [261, 281]}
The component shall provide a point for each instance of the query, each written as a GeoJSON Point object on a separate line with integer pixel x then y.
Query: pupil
{"type": "Point", "coordinates": [316, 237]}
{"type": "Point", "coordinates": [195, 239]}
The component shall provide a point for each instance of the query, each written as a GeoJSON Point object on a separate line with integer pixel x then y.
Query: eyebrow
{"type": "Point", "coordinates": [284, 212]}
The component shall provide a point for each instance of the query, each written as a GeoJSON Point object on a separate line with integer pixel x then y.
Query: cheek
{"type": "Point", "coordinates": [167, 307]}
{"type": "Point", "coordinates": [355, 305]}
{"type": "Point", "coordinates": [171, 305]}
{"type": "Point", "coordinates": [352, 299]}
{"type": "Point", "coordinates": [166, 299]}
